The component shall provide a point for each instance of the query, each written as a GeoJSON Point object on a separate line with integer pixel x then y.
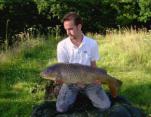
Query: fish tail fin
{"type": "Point", "coordinates": [114, 86]}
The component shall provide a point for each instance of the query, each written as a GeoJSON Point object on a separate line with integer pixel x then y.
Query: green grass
{"type": "Point", "coordinates": [19, 74]}
{"type": "Point", "coordinates": [125, 54]}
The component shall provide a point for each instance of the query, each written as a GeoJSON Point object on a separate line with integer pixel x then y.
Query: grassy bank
{"type": "Point", "coordinates": [125, 54]}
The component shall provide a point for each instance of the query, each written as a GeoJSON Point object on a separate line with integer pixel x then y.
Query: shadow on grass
{"type": "Point", "coordinates": [13, 75]}
{"type": "Point", "coordinates": [140, 96]}
{"type": "Point", "coordinates": [15, 108]}
{"type": "Point", "coordinates": [18, 82]}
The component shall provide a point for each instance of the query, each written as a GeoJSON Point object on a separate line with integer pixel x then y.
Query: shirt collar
{"type": "Point", "coordinates": [83, 42]}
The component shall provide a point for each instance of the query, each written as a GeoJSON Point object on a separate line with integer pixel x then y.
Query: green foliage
{"type": "Point", "coordinates": [1, 4]}
{"type": "Point", "coordinates": [127, 11]}
{"type": "Point", "coordinates": [145, 10]}
{"type": "Point", "coordinates": [18, 16]}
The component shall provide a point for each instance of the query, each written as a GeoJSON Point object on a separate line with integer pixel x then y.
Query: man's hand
{"type": "Point", "coordinates": [80, 84]}
{"type": "Point", "coordinates": [97, 82]}
{"type": "Point", "coordinates": [59, 81]}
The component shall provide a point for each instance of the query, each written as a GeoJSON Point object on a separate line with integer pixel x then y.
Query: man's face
{"type": "Point", "coordinates": [72, 30]}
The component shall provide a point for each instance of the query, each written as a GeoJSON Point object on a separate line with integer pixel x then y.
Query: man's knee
{"type": "Point", "coordinates": [66, 98]}
{"type": "Point", "coordinates": [103, 105]}
{"type": "Point", "coordinates": [61, 107]}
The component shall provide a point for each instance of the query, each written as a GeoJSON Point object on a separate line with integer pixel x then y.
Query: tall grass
{"type": "Point", "coordinates": [124, 53]}
{"type": "Point", "coordinates": [130, 47]}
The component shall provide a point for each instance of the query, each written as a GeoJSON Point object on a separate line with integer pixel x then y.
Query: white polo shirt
{"type": "Point", "coordinates": [67, 52]}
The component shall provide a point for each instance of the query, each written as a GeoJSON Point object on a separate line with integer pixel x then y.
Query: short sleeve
{"type": "Point", "coordinates": [61, 53]}
{"type": "Point", "coordinates": [94, 52]}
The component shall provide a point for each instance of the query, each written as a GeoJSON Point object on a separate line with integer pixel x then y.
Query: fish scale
{"type": "Point", "coordinates": [77, 73]}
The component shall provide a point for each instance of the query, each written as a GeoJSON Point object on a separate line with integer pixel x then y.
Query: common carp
{"type": "Point", "coordinates": [77, 73]}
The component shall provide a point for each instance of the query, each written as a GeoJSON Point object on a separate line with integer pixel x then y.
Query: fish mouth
{"type": "Point", "coordinates": [42, 74]}
{"type": "Point", "coordinates": [45, 76]}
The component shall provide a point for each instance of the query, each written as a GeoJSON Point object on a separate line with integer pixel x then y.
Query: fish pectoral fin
{"type": "Point", "coordinates": [59, 81]}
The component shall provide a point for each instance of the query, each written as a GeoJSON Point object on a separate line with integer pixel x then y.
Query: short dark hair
{"type": "Point", "coordinates": [73, 16]}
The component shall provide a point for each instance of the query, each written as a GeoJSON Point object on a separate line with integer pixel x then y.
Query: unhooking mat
{"type": "Point", "coordinates": [120, 107]}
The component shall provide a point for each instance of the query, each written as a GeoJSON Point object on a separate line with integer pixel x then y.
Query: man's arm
{"type": "Point", "coordinates": [94, 54]}
{"type": "Point", "coordinates": [61, 54]}
{"type": "Point", "coordinates": [93, 64]}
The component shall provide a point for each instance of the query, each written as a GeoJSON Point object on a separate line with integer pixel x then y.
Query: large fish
{"type": "Point", "coordinates": [77, 73]}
